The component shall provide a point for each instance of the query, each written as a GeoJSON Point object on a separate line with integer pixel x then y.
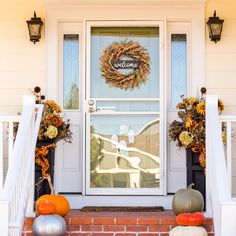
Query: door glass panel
{"type": "Point", "coordinates": [102, 38]}
{"type": "Point", "coordinates": [124, 151]}
{"type": "Point", "coordinates": [178, 68]}
{"type": "Point", "coordinates": [128, 106]}
{"type": "Point", "coordinates": [71, 72]}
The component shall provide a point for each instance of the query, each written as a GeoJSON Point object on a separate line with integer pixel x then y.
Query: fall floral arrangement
{"type": "Point", "coordinates": [52, 129]}
{"type": "Point", "coordinates": [189, 130]}
{"type": "Point", "coordinates": [52, 126]}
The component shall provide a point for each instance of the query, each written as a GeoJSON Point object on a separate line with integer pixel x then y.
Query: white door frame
{"type": "Point", "coordinates": [162, 116]}
{"type": "Point", "coordinates": [172, 11]}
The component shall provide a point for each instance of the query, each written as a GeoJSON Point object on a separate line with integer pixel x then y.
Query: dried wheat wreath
{"type": "Point", "coordinates": [118, 50]}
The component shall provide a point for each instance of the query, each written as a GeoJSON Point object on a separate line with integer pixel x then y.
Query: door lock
{"type": "Point", "coordinates": [91, 105]}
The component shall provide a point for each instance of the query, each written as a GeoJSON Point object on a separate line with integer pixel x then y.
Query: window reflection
{"type": "Point", "coordinates": [178, 68]}
{"type": "Point", "coordinates": [124, 152]}
{"type": "Point", "coordinates": [71, 72]}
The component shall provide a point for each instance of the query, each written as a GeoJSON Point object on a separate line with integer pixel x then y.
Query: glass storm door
{"type": "Point", "coordinates": [124, 113]}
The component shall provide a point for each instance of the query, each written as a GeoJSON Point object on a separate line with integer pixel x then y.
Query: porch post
{"type": "Point", "coordinates": [209, 99]}
{"type": "Point", "coordinates": [4, 217]}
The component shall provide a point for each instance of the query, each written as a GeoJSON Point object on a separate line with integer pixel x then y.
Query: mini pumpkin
{"type": "Point", "coordinates": [188, 231]}
{"type": "Point", "coordinates": [190, 219]}
{"type": "Point", "coordinates": [187, 201]}
{"type": "Point", "coordinates": [61, 203]}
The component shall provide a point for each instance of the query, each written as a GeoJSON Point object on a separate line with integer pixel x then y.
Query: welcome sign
{"type": "Point", "coordinates": [125, 64]}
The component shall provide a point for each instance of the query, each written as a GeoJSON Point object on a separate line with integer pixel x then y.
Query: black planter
{"type": "Point", "coordinates": [195, 173]}
{"type": "Point", "coordinates": [44, 186]}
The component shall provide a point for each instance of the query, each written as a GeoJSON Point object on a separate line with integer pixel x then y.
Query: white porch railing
{"type": "Point", "coordinates": [14, 196]}
{"type": "Point", "coordinates": [6, 143]}
{"type": "Point", "coordinates": [218, 176]}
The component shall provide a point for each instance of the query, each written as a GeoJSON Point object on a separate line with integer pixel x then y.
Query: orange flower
{"type": "Point", "coordinates": [55, 120]}
{"type": "Point", "coordinates": [53, 105]}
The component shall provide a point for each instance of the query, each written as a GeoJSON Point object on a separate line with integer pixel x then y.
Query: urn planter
{"type": "Point", "coordinates": [195, 173]}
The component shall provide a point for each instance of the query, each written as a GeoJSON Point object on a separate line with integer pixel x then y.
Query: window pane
{"type": "Point", "coordinates": [124, 151]}
{"type": "Point", "coordinates": [103, 38]}
{"type": "Point", "coordinates": [71, 72]}
{"type": "Point", "coordinates": [178, 68]}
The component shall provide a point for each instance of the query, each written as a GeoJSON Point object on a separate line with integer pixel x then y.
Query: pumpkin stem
{"type": "Point", "coordinates": [191, 185]}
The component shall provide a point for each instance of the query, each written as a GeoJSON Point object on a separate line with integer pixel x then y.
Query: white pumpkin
{"type": "Point", "coordinates": [188, 231]}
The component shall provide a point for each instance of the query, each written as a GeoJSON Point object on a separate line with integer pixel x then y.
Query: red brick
{"type": "Point", "coordinates": [80, 234]}
{"type": "Point", "coordinates": [126, 221]}
{"type": "Point", "coordinates": [73, 227]}
{"type": "Point", "coordinates": [103, 221]}
{"type": "Point", "coordinates": [113, 228]}
{"type": "Point", "coordinates": [82, 220]}
{"type": "Point", "coordinates": [168, 221]}
{"type": "Point", "coordinates": [28, 234]}
{"type": "Point", "coordinates": [102, 234]}
{"type": "Point", "coordinates": [209, 221]}
{"type": "Point", "coordinates": [209, 228]}
{"type": "Point", "coordinates": [125, 234]}
{"type": "Point", "coordinates": [148, 234]}
{"type": "Point", "coordinates": [211, 234]}
{"type": "Point", "coordinates": [29, 220]}
{"type": "Point", "coordinates": [27, 227]}
{"type": "Point", "coordinates": [91, 228]}
{"type": "Point", "coordinates": [136, 228]}
{"type": "Point", "coordinates": [148, 221]}
{"type": "Point", "coordinates": [163, 234]}
{"type": "Point", "coordinates": [159, 228]}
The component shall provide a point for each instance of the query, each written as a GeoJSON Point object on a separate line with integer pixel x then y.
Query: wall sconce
{"type": "Point", "coordinates": [35, 27]}
{"type": "Point", "coordinates": [215, 26]}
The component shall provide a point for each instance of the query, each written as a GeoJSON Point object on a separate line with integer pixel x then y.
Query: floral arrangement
{"type": "Point", "coordinates": [53, 129]}
{"type": "Point", "coordinates": [52, 126]}
{"type": "Point", "coordinates": [189, 130]}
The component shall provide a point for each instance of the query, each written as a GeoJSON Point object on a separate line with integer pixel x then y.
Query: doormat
{"type": "Point", "coordinates": [122, 209]}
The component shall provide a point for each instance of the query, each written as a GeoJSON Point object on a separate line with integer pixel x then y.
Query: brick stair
{"type": "Point", "coordinates": [118, 224]}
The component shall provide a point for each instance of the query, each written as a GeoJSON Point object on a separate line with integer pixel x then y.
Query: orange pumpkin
{"type": "Point", "coordinates": [45, 208]}
{"type": "Point", "coordinates": [61, 203]}
{"type": "Point", "coordinates": [190, 219]}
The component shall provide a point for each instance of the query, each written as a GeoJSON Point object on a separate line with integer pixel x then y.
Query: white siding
{"type": "Point", "coordinates": [221, 57]}
{"type": "Point", "coordinates": [22, 64]}
{"type": "Point", "coordinates": [221, 63]}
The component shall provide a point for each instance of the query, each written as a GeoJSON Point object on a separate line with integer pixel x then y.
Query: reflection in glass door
{"type": "Point", "coordinates": [124, 110]}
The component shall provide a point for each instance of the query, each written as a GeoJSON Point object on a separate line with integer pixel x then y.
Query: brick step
{"type": "Point", "coordinates": [118, 224]}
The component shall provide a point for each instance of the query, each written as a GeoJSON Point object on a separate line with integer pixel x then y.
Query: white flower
{"type": "Point", "coordinates": [51, 132]}
{"type": "Point", "coordinates": [185, 138]}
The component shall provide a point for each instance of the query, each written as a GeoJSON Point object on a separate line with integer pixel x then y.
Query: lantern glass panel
{"type": "Point", "coordinates": [34, 29]}
{"type": "Point", "coordinates": [216, 29]}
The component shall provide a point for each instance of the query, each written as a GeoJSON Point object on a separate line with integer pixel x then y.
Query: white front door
{"type": "Point", "coordinates": [69, 162]}
{"type": "Point", "coordinates": [125, 115]}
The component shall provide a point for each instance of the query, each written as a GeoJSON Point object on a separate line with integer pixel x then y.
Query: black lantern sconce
{"type": "Point", "coordinates": [35, 26]}
{"type": "Point", "coordinates": [215, 26]}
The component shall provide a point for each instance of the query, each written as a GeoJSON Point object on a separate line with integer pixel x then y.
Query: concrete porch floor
{"type": "Point", "coordinates": [81, 223]}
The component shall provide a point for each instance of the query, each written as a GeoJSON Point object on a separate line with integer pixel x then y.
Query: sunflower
{"type": "Point", "coordinates": [220, 106]}
{"type": "Point", "coordinates": [53, 105]}
{"type": "Point", "coordinates": [55, 120]}
{"type": "Point", "coordinates": [201, 108]}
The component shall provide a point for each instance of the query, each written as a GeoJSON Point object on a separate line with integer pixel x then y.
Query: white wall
{"type": "Point", "coordinates": [221, 57]}
{"type": "Point", "coordinates": [22, 64]}
{"type": "Point", "coordinates": [221, 64]}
